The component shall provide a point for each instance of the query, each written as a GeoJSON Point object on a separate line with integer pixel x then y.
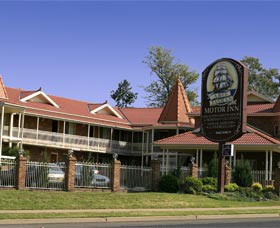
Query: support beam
{"type": "Point", "coordinates": [167, 162]}
{"type": "Point", "coordinates": [200, 159]}
{"type": "Point", "coordinates": [37, 135]}
{"type": "Point", "coordinates": [234, 157]}
{"type": "Point", "coordinates": [196, 156]}
{"type": "Point", "coordinates": [22, 127]}
{"type": "Point", "coordinates": [11, 128]}
{"type": "Point", "coordinates": [142, 158]}
{"type": "Point", "coordinates": [1, 130]}
{"type": "Point", "coordinates": [270, 165]}
{"type": "Point", "coordinates": [266, 165]}
{"type": "Point", "coordinates": [64, 125]}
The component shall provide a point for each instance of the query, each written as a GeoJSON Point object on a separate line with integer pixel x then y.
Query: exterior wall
{"type": "Point", "coordinates": [81, 129]}
{"type": "Point", "coordinates": [45, 124]}
{"type": "Point", "coordinates": [30, 122]}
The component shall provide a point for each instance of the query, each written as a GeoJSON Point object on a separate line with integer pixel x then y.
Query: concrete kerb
{"type": "Point", "coordinates": [136, 219]}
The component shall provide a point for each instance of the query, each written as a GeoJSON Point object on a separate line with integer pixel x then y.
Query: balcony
{"type": "Point", "coordinates": [59, 140]}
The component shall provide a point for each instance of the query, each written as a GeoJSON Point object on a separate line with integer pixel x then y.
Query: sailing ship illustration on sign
{"type": "Point", "coordinates": [222, 79]}
{"type": "Point", "coordinates": [222, 84]}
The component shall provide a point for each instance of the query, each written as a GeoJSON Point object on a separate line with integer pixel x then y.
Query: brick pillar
{"type": "Point", "coordinates": [277, 180]}
{"type": "Point", "coordinates": [70, 173]}
{"type": "Point", "coordinates": [227, 175]}
{"type": "Point", "coordinates": [194, 170]}
{"type": "Point", "coordinates": [20, 173]}
{"type": "Point", "coordinates": [155, 165]}
{"type": "Point", "coordinates": [116, 176]}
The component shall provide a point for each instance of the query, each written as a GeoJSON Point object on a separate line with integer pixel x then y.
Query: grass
{"type": "Point", "coordinates": [44, 200]}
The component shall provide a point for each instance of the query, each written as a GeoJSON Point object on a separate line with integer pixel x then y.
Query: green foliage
{"type": "Point", "coordinates": [168, 183]}
{"type": "Point", "coordinates": [232, 187]}
{"type": "Point", "coordinates": [257, 187]}
{"type": "Point", "coordinates": [261, 80]}
{"type": "Point", "coordinates": [209, 188]}
{"type": "Point", "coordinates": [242, 175]}
{"type": "Point", "coordinates": [123, 95]}
{"type": "Point", "coordinates": [193, 185]}
{"type": "Point", "coordinates": [210, 181]}
{"type": "Point", "coordinates": [14, 151]}
{"type": "Point", "coordinates": [268, 188]}
{"type": "Point", "coordinates": [213, 167]}
{"type": "Point", "coordinates": [167, 69]}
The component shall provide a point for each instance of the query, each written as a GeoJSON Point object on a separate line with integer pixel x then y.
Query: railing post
{"type": "Point", "coordinates": [155, 165]}
{"type": "Point", "coordinates": [277, 180]}
{"type": "Point", "coordinates": [227, 175]}
{"type": "Point", "coordinates": [20, 173]}
{"type": "Point", "coordinates": [70, 172]}
{"type": "Point", "coordinates": [116, 175]}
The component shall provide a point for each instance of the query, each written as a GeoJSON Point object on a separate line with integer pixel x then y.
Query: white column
{"type": "Point", "coordinates": [88, 134]}
{"type": "Point", "coordinates": [142, 159]}
{"type": "Point", "coordinates": [152, 146]}
{"type": "Point", "coordinates": [19, 123]}
{"type": "Point", "coordinates": [1, 130]}
{"type": "Point", "coordinates": [132, 141]}
{"type": "Point", "coordinates": [111, 139]}
{"type": "Point", "coordinates": [64, 125]}
{"type": "Point", "coordinates": [270, 165]}
{"type": "Point", "coordinates": [167, 161]}
{"type": "Point", "coordinates": [266, 165]}
{"type": "Point", "coordinates": [177, 131]}
{"type": "Point", "coordinates": [38, 122]}
{"type": "Point", "coordinates": [197, 156]}
{"type": "Point", "coordinates": [163, 161]}
{"type": "Point", "coordinates": [11, 129]}
{"type": "Point", "coordinates": [200, 159]}
{"type": "Point", "coordinates": [22, 127]}
{"type": "Point", "coordinates": [234, 158]}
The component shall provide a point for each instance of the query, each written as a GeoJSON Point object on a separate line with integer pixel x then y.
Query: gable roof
{"type": "Point", "coordinates": [106, 109]}
{"type": "Point", "coordinates": [37, 96]}
{"type": "Point", "coordinates": [177, 106]}
{"type": "Point", "coordinates": [255, 97]}
{"type": "Point", "coordinates": [3, 92]}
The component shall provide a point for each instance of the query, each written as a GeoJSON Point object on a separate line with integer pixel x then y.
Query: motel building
{"type": "Point", "coordinates": [49, 126]}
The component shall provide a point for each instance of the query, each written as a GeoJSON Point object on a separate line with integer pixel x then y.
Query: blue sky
{"type": "Point", "coordinates": [82, 50]}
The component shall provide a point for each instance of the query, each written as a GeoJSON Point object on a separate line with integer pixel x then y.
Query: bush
{"type": "Point", "coordinates": [242, 175]}
{"type": "Point", "coordinates": [268, 188]}
{"type": "Point", "coordinates": [231, 187]}
{"type": "Point", "coordinates": [193, 185]}
{"type": "Point", "coordinates": [257, 187]}
{"type": "Point", "coordinates": [209, 188]}
{"type": "Point", "coordinates": [213, 167]}
{"type": "Point", "coordinates": [168, 183]}
{"type": "Point", "coordinates": [210, 181]}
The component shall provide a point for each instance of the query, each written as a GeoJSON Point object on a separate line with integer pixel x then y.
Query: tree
{"type": "Point", "coordinates": [261, 80]}
{"type": "Point", "coordinates": [123, 95]}
{"type": "Point", "coordinates": [167, 69]}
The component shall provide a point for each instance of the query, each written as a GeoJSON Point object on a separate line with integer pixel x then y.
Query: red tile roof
{"type": "Point", "coordinates": [252, 136]}
{"type": "Point", "coordinates": [177, 106]}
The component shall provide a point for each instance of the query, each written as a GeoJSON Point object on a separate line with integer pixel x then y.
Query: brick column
{"type": "Point", "coordinates": [20, 173]}
{"type": "Point", "coordinates": [116, 169]}
{"type": "Point", "coordinates": [194, 170]}
{"type": "Point", "coordinates": [70, 173]}
{"type": "Point", "coordinates": [155, 165]}
{"type": "Point", "coordinates": [277, 180]}
{"type": "Point", "coordinates": [227, 175]}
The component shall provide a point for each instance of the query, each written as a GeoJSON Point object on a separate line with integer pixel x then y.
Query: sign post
{"type": "Point", "coordinates": [223, 105]}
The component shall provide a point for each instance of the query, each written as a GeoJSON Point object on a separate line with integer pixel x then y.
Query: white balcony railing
{"type": "Point", "coordinates": [46, 138]}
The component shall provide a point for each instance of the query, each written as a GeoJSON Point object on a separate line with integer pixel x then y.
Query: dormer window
{"type": "Point", "coordinates": [37, 96]}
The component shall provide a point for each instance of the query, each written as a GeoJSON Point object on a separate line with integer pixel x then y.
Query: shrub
{"type": "Point", "coordinates": [242, 175]}
{"type": "Point", "coordinates": [210, 181]}
{"type": "Point", "coordinates": [231, 187]}
{"type": "Point", "coordinates": [213, 167]}
{"type": "Point", "coordinates": [193, 185]}
{"type": "Point", "coordinates": [209, 188]}
{"type": "Point", "coordinates": [257, 187]}
{"type": "Point", "coordinates": [268, 188]}
{"type": "Point", "coordinates": [168, 183]}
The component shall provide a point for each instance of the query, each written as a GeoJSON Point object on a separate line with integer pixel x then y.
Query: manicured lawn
{"type": "Point", "coordinates": [38, 200]}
